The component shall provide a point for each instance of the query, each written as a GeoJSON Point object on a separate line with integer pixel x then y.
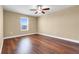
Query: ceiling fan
{"type": "Point", "coordinates": [40, 9]}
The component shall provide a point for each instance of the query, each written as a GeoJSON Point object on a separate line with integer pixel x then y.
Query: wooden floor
{"type": "Point", "coordinates": [41, 45]}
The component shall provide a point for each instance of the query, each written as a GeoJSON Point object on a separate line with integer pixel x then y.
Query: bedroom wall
{"type": "Point", "coordinates": [1, 27]}
{"type": "Point", "coordinates": [12, 25]}
{"type": "Point", "coordinates": [64, 23]}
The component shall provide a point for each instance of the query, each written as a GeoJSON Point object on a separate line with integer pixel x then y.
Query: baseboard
{"type": "Point", "coordinates": [67, 39]}
{"type": "Point", "coordinates": [44, 35]}
{"type": "Point", "coordinates": [19, 35]}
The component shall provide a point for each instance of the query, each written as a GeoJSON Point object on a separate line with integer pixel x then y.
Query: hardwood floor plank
{"type": "Point", "coordinates": [41, 45]}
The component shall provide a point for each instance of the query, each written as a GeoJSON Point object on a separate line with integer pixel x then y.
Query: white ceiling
{"type": "Point", "coordinates": [25, 9]}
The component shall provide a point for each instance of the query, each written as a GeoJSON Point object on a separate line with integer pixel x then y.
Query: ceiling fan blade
{"type": "Point", "coordinates": [46, 9]}
{"type": "Point", "coordinates": [43, 12]}
{"type": "Point", "coordinates": [33, 9]}
{"type": "Point", "coordinates": [36, 12]}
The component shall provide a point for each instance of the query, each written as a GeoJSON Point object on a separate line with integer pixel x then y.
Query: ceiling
{"type": "Point", "coordinates": [25, 9]}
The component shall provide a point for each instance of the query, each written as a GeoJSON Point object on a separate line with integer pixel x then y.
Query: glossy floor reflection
{"type": "Point", "coordinates": [24, 46]}
{"type": "Point", "coordinates": [39, 44]}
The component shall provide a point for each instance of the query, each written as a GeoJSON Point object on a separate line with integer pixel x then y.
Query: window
{"type": "Point", "coordinates": [24, 23]}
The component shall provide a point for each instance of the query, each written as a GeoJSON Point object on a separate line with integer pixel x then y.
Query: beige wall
{"type": "Point", "coordinates": [1, 27]}
{"type": "Point", "coordinates": [64, 23]}
{"type": "Point", "coordinates": [1, 22]}
{"type": "Point", "coordinates": [12, 25]}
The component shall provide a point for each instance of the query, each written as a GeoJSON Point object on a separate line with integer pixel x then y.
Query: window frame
{"type": "Point", "coordinates": [27, 24]}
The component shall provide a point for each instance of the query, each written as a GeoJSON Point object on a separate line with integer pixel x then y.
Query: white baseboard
{"type": "Point", "coordinates": [72, 40]}
{"type": "Point", "coordinates": [18, 35]}
{"type": "Point", "coordinates": [67, 39]}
